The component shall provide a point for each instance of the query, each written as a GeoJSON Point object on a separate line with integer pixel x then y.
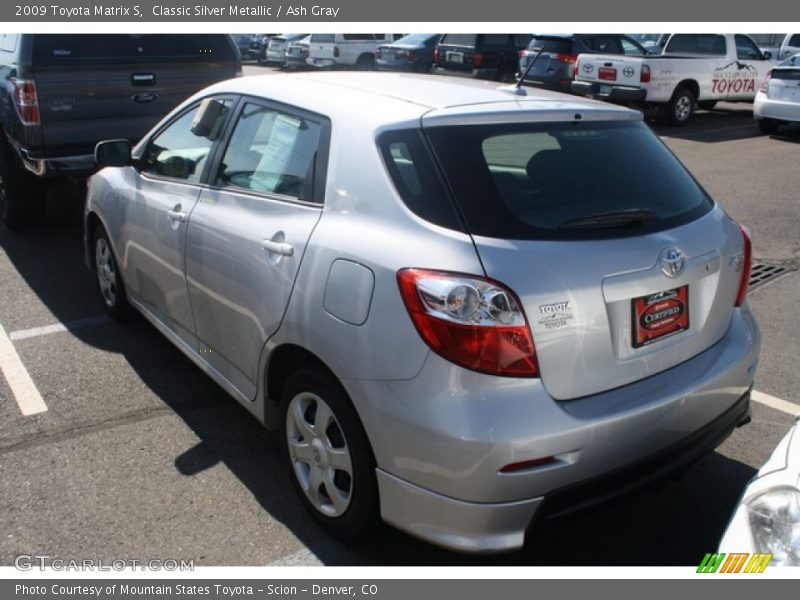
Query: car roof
{"type": "Point", "coordinates": [393, 97]}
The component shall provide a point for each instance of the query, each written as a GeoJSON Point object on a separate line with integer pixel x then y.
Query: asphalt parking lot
{"type": "Point", "coordinates": [138, 455]}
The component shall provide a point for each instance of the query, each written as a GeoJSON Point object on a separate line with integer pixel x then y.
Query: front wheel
{"type": "Point", "coordinates": [365, 62]}
{"type": "Point", "coordinates": [109, 279]}
{"type": "Point", "coordinates": [768, 126]}
{"type": "Point", "coordinates": [680, 107]}
{"type": "Point", "coordinates": [330, 460]}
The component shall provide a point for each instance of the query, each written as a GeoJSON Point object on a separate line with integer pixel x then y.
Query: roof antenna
{"type": "Point", "coordinates": [517, 88]}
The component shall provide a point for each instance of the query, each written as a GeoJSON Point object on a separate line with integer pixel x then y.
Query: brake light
{"type": "Point", "coordinates": [747, 265]}
{"type": "Point", "coordinates": [477, 59]}
{"type": "Point", "coordinates": [436, 54]}
{"type": "Point", "coordinates": [765, 84]}
{"type": "Point", "coordinates": [471, 321]}
{"type": "Point", "coordinates": [567, 58]}
{"type": "Point", "coordinates": [522, 53]}
{"type": "Point", "coordinates": [27, 101]}
{"type": "Point", "coordinates": [336, 51]}
{"type": "Point", "coordinates": [644, 74]}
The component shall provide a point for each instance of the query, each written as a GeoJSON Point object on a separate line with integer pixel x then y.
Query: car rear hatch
{"type": "Point", "coordinates": [609, 70]}
{"type": "Point", "coordinates": [784, 84]}
{"type": "Point", "coordinates": [456, 51]}
{"type": "Point", "coordinates": [622, 263]}
{"type": "Point", "coordinates": [555, 61]}
{"type": "Point", "coordinates": [94, 87]}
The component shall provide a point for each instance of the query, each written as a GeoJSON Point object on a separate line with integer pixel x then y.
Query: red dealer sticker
{"type": "Point", "coordinates": [657, 316]}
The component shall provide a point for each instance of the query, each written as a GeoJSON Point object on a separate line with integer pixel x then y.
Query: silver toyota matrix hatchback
{"type": "Point", "coordinates": [462, 306]}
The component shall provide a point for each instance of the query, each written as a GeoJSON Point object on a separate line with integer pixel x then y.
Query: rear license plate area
{"type": "Point", "coordinates": [455, 57]}
{"type": "Point", "coordinates": [607, 74]}
{"type": "Point", "coordinates": [658, 316]}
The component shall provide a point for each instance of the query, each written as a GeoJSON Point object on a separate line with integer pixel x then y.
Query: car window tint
{"type": "Point", "coordinates": [176, 152]}
{"type": "Point", "coordinates": [794, 41]}
{"type": "Point", "coordinates": [551, 45]}
{"type": "Point", "coordinates": [746, 49]}
{"type": "Point", "coordinates": [323, 38]}
{"type": "Point", "coordinates": [604, 44]}
{"type": "Point", "coordinates": [272, 152]}
{"type": "Point", "coordinates": [495, 39]}
{"type": "Point", "coordinates": [413, 172]}
{"type": "Point", "coordinates": [529, 181]}
{"type": "Point", "coordinates": [459, 39]}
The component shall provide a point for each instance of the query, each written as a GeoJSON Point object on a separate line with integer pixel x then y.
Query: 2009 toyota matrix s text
{"type": "Point", "coordinates": [464, 306]}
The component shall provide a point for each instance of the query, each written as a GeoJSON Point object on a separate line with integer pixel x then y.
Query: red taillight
{"type": "Point", "coordinates": [747, 265]}
{"type": "Point", "coordinates": [765, 84]}
{"type": "Point", "coordinates": [403, 53]}
{"type": "Point", "coordinates": [522, 53]}
{"type": "Point", "coordinates": [527, 464]}
{"type": "Point", "coordinates": [336, 51]}
{"type": "Point", "coordinates": [436, 55]}
{"type": "Point", "coordinates": [644, 74]}
{"type": "Point", "coordinates": [27, 101]}
{"type": "Point", "coordinates": [471, 321]}
{"type": "Point", "coordinates": [477, 59]}
{"type": "Point", "coordinates": [567, 58]}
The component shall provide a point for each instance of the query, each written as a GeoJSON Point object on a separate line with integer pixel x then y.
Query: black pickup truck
{"type": "Point", "coordinates": [60, 94]}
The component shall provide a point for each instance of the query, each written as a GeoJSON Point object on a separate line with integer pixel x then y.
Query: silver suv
{"type": "Point", "coordinates": [464, 306]}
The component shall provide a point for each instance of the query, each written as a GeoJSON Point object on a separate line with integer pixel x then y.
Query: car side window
{"type": "Point", "coordinates": [271, 151]}
{"type": "Point", "coordinates": [746, 49]}
{"type": "Point", "coordinates": [794, 41]}
{"type": "Point", "coordinates": [176, 152]}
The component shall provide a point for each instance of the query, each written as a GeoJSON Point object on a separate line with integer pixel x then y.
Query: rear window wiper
{"type": "Point", "coordinates": [619, 219]}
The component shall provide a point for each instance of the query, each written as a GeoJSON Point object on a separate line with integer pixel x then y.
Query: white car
{"type": "Point", "coordinates": [778, 100]}
{"type": "Point", "coordinates": [767, 520]}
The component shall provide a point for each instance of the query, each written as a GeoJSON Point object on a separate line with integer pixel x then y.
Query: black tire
{"type": "Point", "coordinates": [681, 107]}
{"type": "Point", "coordinates": [707, 104]}
{"type": "Point", "coordinates": [107, 272]}
{"type": "Point", "coordinates": [768, 126]}
{"type": "Point", "coordinates": [365, 62]}
{"type": "Point", "coordinates": [362, 512]}
{"type": "Point", "coordinates": [22, 195]}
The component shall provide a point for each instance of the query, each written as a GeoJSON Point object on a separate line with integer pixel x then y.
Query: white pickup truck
{"type": "Point", "coordinates": [695, 69]}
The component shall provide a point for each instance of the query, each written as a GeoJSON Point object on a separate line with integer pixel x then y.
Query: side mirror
{"type": "Point", "coordinates": [113, 153]}
{"type": "Point", "coordinates": [767, 55]}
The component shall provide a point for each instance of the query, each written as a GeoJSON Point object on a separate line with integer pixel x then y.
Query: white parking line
{"type": "Point", "coordinates": [27, 396]}
{"type": "Point", "coordinates": [782, 405]}
{"type": "Point", "coordinates": [56, 328]}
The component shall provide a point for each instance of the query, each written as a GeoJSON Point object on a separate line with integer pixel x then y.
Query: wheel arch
{"type": "Point", "coordinates": [691, 85]}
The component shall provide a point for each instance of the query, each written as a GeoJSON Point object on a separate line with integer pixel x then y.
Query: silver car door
{"type": "Point", "coordinates": [248, 232]}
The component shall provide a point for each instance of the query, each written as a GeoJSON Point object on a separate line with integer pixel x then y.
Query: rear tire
{"type": "Point", "coordinates": [681, 107]}
{"type": "Point", "coordinates": [768, 126]}
{"type": "Point", "coordinates": [334, 453]}
{"type": "Point", "coordinates": [365, 62]}
{"type": "Point", "coordinates": [707, 104]}
{"type": "Point", "coordinates": [109, 278]}
{"type": "Point", "coordinates": [22, 195]}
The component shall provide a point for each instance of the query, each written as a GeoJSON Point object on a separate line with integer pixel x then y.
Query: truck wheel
{"type": "Point", "coordinates": [329, 457]}
{"type": "Point", "coordinates": [768, 126]}
{"type": "Point", "coordinates": [707, 104]}
{"type": "Point", "coordinates": [680, 107]}
{"type": "Point", "coordinates": [22, 196]}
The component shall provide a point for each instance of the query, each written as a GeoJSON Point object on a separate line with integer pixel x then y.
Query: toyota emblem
{"type": "Point", "coordinates": [671, 262]}
{"type": "Point", "coordinates": [628, 71]}
{"type": "Point", "coordinates": [588, 67]}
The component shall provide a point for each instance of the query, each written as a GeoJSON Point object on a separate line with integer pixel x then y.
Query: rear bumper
{"type": "Point", "coordinates": [472, 73]}
{"type": "Point", "coordinates": [780, 110]}
{"type": "Point", "coordinates": [79, 164]}
{"type": "Point", "coordinates": [441, 440]}
{"type": "Point", "coordinates": [609, 92]}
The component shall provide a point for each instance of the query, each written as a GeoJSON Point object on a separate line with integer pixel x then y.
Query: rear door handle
{"type": "Point", "coordinates": [281, 248]}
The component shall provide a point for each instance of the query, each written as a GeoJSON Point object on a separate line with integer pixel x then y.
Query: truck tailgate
{"type": "Point", "coordinates": [610, 69]}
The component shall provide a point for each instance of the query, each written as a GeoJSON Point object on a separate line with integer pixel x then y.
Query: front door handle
{"type": "Point", "coordinates": [281, 248]}
{"type": "Point", "coordinates": [176, 214]}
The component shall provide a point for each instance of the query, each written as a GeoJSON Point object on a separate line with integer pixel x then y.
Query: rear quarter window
{"type": "Point", "coordinates": [543, 181]}
{"type": "Point", "coordinates": [551, 45]}
{"type": "Point", "coordinates": [459, 39]}
{"type": "Point", "coordinates": [697, 43]}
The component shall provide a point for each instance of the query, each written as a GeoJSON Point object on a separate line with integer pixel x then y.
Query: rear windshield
{"type": "Point", "coordinates": [558, 180]}
{"type": "Point", "coordinates": [551, 45]}
{"type": "Point", "coordinates": [459, 39]}
{"type": "Point", "coordinates": [111, 48]}
{"type": "Point", "coordinates": [696, 43]}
